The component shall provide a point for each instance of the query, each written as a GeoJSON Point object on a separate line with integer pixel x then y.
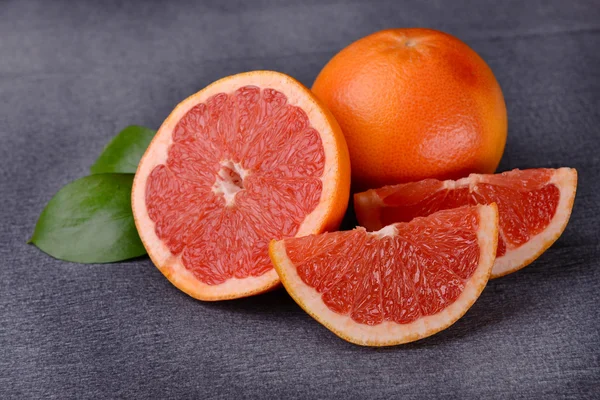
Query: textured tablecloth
{"type": "Point", "coordinates": [72, 74]}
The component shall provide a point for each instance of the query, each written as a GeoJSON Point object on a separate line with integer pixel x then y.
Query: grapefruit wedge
{"type": "Point", "coordinates": [249, 158]}
{"type": "Point", "coordinates": [534, 206]}
{"type": "Point", "coordinates": [399, 284]}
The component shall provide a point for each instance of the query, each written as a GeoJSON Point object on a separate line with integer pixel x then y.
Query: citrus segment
{"type": "Point", "coordinates": [534, 207]}
{"type": "Point", "coordinates": [250, 158]}
{"type": "Point", "coordinates": [402, 283]}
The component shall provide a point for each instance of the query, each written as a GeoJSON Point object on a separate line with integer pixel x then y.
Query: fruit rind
{"type": "Point", "coordinates": [327, 215]}
{"type": "Point", "coordinates": [390, 333]}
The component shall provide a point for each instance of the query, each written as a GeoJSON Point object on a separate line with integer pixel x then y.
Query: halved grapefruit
{"type": "Point", "coordinates": [249, 158]}
{"type": "Point", "coordinates": [534, 206]}
{"type": "Point", "coordinates": [400, 284]}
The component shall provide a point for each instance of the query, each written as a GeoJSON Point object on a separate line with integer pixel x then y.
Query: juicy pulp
{"type": "Point", "coordinates": [243, 168]}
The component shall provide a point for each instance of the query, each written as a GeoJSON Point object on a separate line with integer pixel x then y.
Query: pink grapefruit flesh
{"type": "Point", "coordinates": [534, 207]}
{"type": "Point", "coordinates": [234, 166]}
{"type": "Point", "coordinates": [399, 284]}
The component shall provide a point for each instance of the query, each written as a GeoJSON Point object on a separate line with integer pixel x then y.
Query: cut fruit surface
{"type": "Point", "coordinates": [249, 158]}
{"type": "Point", "coordinates": [400, 284]}
{"type": "Point", "coordinates": [534, 206]}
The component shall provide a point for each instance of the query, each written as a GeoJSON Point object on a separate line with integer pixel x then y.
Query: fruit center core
{"type": "Point", "coordinates": [229, 181]}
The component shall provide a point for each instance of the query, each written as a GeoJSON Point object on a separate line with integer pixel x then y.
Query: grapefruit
{"type": "Point", "coordinates": [414, 104]}
{"type": "Point", "coordinates": [534, 207]}
{"type": "Point", "coordinates": [249, 158]}
{"type": "Point", "coordinates": [400, 284]}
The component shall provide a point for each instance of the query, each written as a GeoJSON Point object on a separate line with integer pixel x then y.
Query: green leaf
{"type": "Point", "coordinates": [90, 221]}
{"type": "Point", "coordinates": [124, 151]}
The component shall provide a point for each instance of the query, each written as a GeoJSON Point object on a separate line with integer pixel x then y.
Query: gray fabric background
{"type": "Point", "coordinates": [72, 74]}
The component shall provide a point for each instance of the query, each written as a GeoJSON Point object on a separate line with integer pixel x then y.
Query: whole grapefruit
{"type": "Point", "coordinates": [414, 104]}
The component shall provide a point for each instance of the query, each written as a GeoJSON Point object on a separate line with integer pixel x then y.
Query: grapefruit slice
{"type": "Point", "coordinates": [534, 205]}
{"type": "Point", "coordinates": [249, 158]}
{"type": "Point", "coordinates": [400, 284]}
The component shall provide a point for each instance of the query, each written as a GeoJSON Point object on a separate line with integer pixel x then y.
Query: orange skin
{"type": "Point", "coordinates": [414, 104]}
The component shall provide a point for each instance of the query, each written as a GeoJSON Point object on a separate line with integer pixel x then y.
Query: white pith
{"type": "Point", "coordinates": [515, 258]}
{"type": "Point", "coordinates": [225, 185]}
{"type": "Point", "coordinates": [389, 230]}
{"type": "Point", "coordinates": [391, 333]}
{"type": "Point", "coordinates": [157, 153]}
